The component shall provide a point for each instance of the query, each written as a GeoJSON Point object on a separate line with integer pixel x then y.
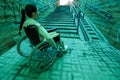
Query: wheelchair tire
{"type": "Point", "coordinates": [21, 51]}
{"type": "Point", "coordinates": [38, 62]}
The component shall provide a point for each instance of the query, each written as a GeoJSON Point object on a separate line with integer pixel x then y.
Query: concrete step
{"type": "Point", "coordinates": [60, 19]}
{"type": "Point", "coordinates": [70, 30]}
{"type": "Point", "coordinates": [60, 14]}
{"type": "Point", "coordinates": [58, 22]}
{"type": "Point", "coordinates": [66, 25]}
{"type": "Point", "coordinates": [66, 35]}
{"type": "Point", "coordinates": [61, 27]}
{"type": "Point", "coordinates": [67, 31]}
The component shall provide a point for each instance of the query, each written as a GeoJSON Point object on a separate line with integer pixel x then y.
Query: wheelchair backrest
{"type": "Point", "coordinates": [32, 33]}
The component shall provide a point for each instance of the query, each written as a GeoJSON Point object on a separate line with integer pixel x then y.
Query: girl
{"type": "Point", "coordinates": [30, 12]}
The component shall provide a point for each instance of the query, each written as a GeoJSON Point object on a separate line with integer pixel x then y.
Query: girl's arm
{"type": "Point", "coordinates": [47, 36]}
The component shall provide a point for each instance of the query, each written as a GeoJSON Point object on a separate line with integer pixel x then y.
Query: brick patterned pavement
{"type": "Point", "coordinates": [94, 60]}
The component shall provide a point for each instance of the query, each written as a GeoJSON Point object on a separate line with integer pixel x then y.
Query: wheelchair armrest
{"type": "Point", "coordinates": [51, 30]}
{"type": "Point", "coordinates": [40, 44]}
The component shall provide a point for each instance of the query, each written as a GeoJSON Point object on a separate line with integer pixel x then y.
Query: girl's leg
{"type": "Point", "coordinates": [57, 39]}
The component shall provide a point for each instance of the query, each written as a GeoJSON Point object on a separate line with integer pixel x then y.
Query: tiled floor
{"type": "Point", "coordinates": [84, 61]}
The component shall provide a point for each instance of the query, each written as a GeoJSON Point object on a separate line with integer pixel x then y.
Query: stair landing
{"type": "Point", "coordinates": [94, 60]}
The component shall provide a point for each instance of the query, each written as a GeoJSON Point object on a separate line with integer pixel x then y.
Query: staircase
{"type": "Point", "coordinates": [62, 19]}
{"type": "Point", "coordinates": [84, 59]}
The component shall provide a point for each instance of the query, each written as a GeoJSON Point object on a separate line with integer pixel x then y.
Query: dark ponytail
{"type": "Point", "coordinates": [29, 9]}
{"type": "Point", "coordinates": [22, 20]}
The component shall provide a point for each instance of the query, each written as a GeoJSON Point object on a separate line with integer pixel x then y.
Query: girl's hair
{"type": "Point", "coordinates": [29, 9]}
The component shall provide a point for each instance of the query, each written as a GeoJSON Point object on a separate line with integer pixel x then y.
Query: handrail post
{"type": "Point", "coordinates": [78, 20]}
{"type": "Point", "coordinates": [77, 14]}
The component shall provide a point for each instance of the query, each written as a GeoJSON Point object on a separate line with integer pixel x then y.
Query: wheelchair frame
{"type": "Point", "coordinates": [42, 63]}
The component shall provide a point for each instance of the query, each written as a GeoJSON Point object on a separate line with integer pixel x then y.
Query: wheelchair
{"type": "Point", "coordinates": [39, 53]}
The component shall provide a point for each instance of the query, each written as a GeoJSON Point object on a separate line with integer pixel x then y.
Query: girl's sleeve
{"type": "Point", "coordinates": [46, 35]}
{"type": "Point", "coordinates": [44, 32]}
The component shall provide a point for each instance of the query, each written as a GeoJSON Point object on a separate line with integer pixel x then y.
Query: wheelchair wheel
{"type": "Point", "coordinates": [41, 60]}
{"type": "Point", "coordinates": [23, 47]}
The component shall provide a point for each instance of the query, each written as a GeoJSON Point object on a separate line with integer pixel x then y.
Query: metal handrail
{"type": "Point", "coordinates": [105, 14]}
